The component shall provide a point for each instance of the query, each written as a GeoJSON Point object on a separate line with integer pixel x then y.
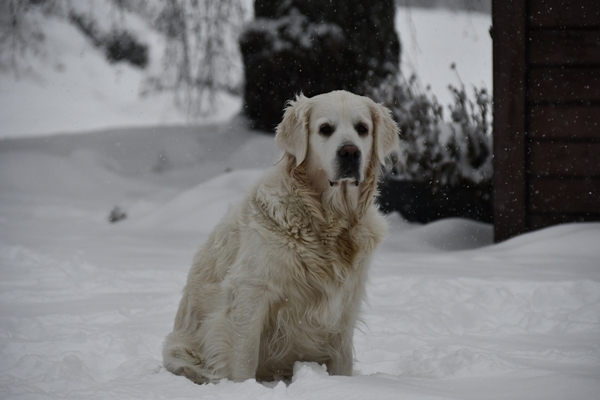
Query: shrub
{"type": "Point", "coordinates": [444, 169]}
{"type": "Point", "coordinates": [121, 45]}
{"type": "Point", "coordinates": [432, 150]}
{"type": "Point", "coordinates": [118, 45]}
{"type": "Point", "coordinates": [314, 47]}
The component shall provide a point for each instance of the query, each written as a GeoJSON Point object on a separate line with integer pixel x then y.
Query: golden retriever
{"type": "Point", "coordinates": [282, 277]}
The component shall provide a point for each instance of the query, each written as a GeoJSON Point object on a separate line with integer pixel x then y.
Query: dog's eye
{"type": "Point", "coordinates": [361, 129]}
{"type": "Point", "coordinates": [326, 130]}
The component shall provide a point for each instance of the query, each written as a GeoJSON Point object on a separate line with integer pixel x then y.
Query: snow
{"type": "Point", "coordinates": [85, 304]}
{"type": "Point", "coordinates": [73, 89]}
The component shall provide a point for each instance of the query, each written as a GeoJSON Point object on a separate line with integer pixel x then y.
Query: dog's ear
{"type": "Point", "coordinates": [292, 132]}
{"type": "Point", "coordinates": [386, 131]}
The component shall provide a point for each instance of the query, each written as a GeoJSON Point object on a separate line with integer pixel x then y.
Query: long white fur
{"type": "Point", "coordinates": [282, 277]}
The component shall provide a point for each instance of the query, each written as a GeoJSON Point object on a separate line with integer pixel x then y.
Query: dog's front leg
{"type": "Point", "coordinates": [247, 312]}
{"type": "Point", "coordinates": [342, 359]}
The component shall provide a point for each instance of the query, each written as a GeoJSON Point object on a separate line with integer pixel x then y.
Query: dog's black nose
{"type": "Point", "coordinates": [349, 151]}
{"type": "Point", "coordinates": [348, 163]}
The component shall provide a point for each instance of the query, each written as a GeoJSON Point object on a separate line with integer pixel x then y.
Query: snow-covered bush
{"type": "Point", "coordinates": [433, 150]}
{"type": "Point", "coordinates": [22, 37]}
{"type": "Point", "coordinates": [279, 56]}
{"type": "Point", "coordinates": [314, 47]}
{"type": "Point", "coordinates": [121, 45]}
{"type": "Point", "coordinates": [444, 168]}
{"type": "Point", "coordinates": [118, 44]}
{"type": "Point", "coordinates": [471, 127]}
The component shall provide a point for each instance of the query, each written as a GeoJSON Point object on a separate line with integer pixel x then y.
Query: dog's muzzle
{"type": "Point", "coordinates": [348, 164]}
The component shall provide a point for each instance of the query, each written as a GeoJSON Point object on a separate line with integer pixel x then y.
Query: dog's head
{"type": "Point", "coordinates": [337, 135]}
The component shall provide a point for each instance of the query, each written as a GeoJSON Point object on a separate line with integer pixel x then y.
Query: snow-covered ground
{"type": "Point", "coordinates": [85, 304]}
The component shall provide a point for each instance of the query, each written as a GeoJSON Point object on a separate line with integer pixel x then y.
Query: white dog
{"type": "Point", "coordinates": [282, 277]}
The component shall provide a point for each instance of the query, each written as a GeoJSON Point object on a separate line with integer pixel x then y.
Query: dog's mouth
{"type": "Point", "coordinates": [337, 183]}
{"type": "Point", "coordinates": [349, 173]}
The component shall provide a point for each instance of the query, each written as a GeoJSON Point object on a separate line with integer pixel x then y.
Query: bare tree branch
{"type": "Point", "coordinates": [200, 58]}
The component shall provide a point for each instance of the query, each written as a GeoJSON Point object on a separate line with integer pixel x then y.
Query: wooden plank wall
{"type": "Point", "coordinates": [558, 104]}
{"type": "Point", "coordinates": [509, 64]}
{"type": "Point", "coordinates": [563, 112]}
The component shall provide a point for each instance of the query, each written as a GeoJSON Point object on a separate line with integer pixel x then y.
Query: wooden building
{"type": "Point", "coordinates": [546, 113]}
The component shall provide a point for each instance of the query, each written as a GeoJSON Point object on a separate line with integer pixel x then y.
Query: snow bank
{"type": "Point", "coordinates": [73, 89]}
